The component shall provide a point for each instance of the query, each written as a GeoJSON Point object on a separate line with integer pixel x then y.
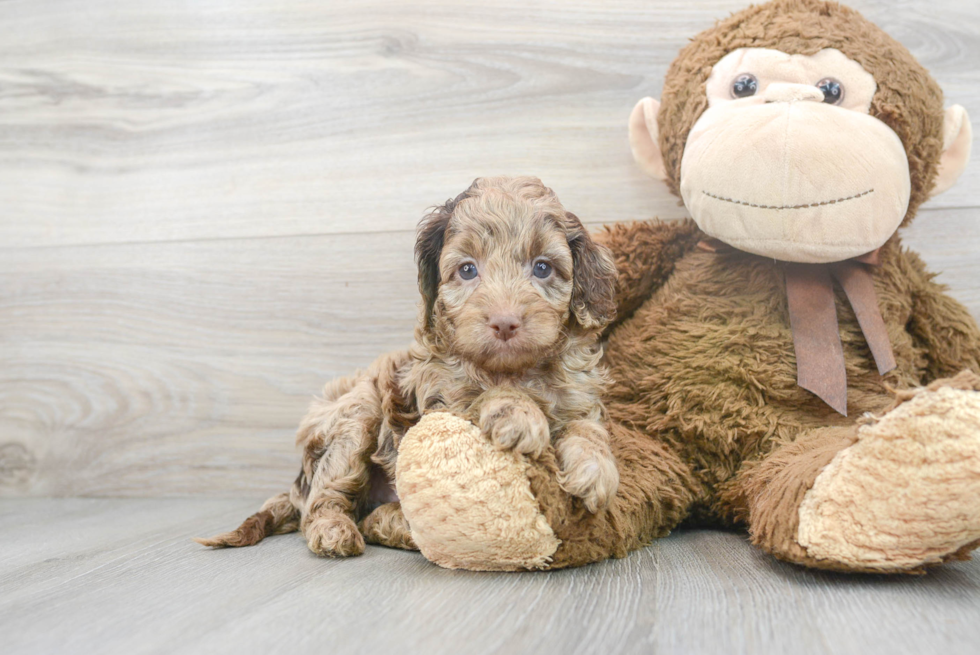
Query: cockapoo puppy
{"type": "Point", "coordinates": [514, 296]}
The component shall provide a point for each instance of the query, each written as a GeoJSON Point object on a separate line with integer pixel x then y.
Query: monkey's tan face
{"type": "Point", "coordinates": [506, 283]}
{"type": "Point", "coordinates": [787, 163]}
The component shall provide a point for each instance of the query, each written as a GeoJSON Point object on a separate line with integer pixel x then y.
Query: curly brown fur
{"type": "Point", "coordinates": [387, 526]}
{"type": "Point", "coordinates": [277, 516]}
{"type": "Point", "coordinates": [513, 351]}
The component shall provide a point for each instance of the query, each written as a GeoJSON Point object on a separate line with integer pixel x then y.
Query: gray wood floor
{"type": "Point", "coordinates": [122, 576]}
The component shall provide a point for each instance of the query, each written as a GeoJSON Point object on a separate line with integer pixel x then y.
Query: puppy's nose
{"type": "Point", "coordinates": [504, 326]}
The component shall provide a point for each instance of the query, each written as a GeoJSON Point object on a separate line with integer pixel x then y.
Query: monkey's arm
{"type": "Point", "coordinates": [645, 254]}
{"type": "Point", "coordinates": [943, 328]}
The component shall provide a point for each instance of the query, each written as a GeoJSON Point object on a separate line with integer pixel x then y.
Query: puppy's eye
{"type": "Point", "coordinates": [467, 271]}
{"type": "Point", "coordinates": [745, 85]}
{"type": "Point", "coordinates": [542, 270]}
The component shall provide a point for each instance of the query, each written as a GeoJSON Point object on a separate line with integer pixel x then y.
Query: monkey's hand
{"type": "Point", "coordinates": [588, 468]}
{"type": "Point", "coordinates": [511, 419]}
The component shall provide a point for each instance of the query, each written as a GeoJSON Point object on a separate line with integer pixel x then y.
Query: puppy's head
{"type": "Point", "coordinates": [507, 275]}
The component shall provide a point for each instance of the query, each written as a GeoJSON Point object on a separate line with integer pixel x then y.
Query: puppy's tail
{"type": "Point", "coordinates": [277, 516]}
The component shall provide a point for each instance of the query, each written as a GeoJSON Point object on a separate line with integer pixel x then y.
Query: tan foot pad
{"type": "Point", "coordinates": [470, 505]}
{"type": "Point", "coordinates": [907, 494]}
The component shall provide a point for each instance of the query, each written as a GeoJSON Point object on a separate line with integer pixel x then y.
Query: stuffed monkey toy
{"type": "Point", "coordinates": [781, 362]}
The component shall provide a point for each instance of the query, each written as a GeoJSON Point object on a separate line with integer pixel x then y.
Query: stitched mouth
{"type": "Point", "coordinates": [812, 204]}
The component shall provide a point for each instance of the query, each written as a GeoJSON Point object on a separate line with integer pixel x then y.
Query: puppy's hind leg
{"type": "Point", "coordinates": [337, 489]}
{"type": "Point", "coordinates": [338, 438]}
{"type": "Point", "coordinates": [387, 526]}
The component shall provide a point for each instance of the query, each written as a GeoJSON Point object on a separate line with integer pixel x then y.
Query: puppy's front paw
{"type": "Point", "coordinates": [521, 426]}
{"type": "Point", "coordinates": [588, 471]}
{"type": "Point", "coordinates": [334, 536]}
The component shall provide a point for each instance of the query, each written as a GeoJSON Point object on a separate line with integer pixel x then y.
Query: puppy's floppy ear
{"type": "Point", "coordinates": [593, 301]}
{"type": "Point", "coordinates": [430, 237]}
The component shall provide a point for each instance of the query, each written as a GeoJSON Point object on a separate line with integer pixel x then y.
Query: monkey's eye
{"type": "Point", "coordinates": [745, 85]}
{"type": "Point", "coordinates": [542, 270]}
{"type": "Point", "coordinates": [833, 91]}
{"type": "Point", "coordinates": [467, 271]}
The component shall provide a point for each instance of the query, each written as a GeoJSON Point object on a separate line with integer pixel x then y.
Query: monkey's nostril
{"type": "Point", "coordinates": [504, 326]}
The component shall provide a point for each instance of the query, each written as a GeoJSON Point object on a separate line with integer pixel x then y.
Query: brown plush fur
{"type": "Point", "coordinates": [655, 493]}
{"type": "Point", "coordinates": [767, 493]}
{"type": "Point", "coordinates": [709, 422]}
{"type": "Point", "coordinates": [537, 388]}
{"type": "Point", "coordinates": [705, 367]}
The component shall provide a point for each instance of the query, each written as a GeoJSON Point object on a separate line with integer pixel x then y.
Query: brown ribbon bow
{"type": "Point", "coordinates": [813, 320]}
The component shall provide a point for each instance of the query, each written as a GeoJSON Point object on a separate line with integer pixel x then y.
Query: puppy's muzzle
{"type": "Point", "coordinates": [504, 326]}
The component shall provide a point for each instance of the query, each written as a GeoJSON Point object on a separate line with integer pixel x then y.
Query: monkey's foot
{"type": "Point", "coordinates": [906, 495]}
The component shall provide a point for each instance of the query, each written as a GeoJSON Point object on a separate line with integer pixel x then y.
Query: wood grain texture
{"type": "Point", "coordinates": [122, 576]}
{"type": "Point", "coordinates": [184, 367]}
{"type": "Point", "coordinates": [207, 208]}
{"type": "Point", "coordinates": [170, 121]}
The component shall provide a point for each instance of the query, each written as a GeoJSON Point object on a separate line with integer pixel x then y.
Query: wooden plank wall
{"type": "Point", "coordinates": [206, 208]}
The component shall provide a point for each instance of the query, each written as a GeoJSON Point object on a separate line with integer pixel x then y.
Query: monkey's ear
{"type": "Point", "coordinates": [957, 139]}
{"type": "Point", "coordinates": [593, 302]}
{"type": "Point", "coordinates": [645, 138]}
{"type": "Point", "coordinates": [430, 237]}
